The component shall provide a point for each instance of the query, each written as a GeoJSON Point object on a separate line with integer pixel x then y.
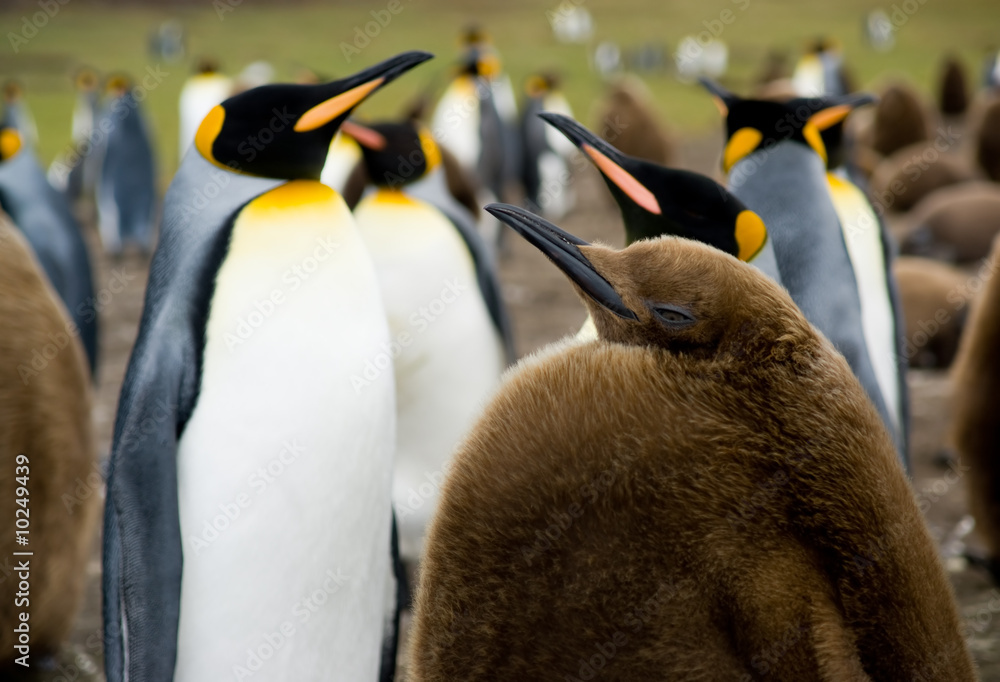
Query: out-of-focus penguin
{"type": "Point", "coordinates": [545, 155]}
{"type": "Point", "coordinates": [446, 314]}
{"type": "Point", "coordinates": [262, 308]}
{"type": "Point", "coordinates": [17, 114]}
{"type": "Point", "coordinates": [200, 93]}
{"type": "Point", "coordinates": [341, 159]}
{"type": "Point", "coordinates": [820, 72]}
{"type": "Point", "coordinates": [776, 160]}
{"type": "Point", "coordinates": [82, 176]}
{"type": "Point", "coordinates": [43, 215]}
{"type": "Point", "coordinates": [126, 185]}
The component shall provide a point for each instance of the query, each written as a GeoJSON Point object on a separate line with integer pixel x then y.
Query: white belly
{"type": "Point", "coordinates": [864, 246]}
{"type": "Point", "coordinates": [449, 356]}
{"type": "Point", "coordinates": [284, 469]}
{"type": "Point", "coordinates": [343, 156]}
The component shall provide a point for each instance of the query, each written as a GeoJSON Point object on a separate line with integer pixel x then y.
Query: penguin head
{"type": "Point", "coordinates": [117, 85]}
{"type": "Point", "coordinates": [758, 124]}
{"type": "Point", "coordinates": [284, 130]}
{"type": "Point", "coordinates": [395, 154]}
{"type": "Point", "coordinates": [12, 91]}
{"type": "Point", "coordinates": [10, 142]}
{"type": "Point", "coordinates": [206, 66]}
{"type": "Point", "coordinates": [541, 84]}
{"type": "Point", "coordinates": [672, 293]}
{"type": "Point", "coordinates": [655, 200]}
{"type": "Point", "coordinates": [480, 60]}
{"type": "Point", "coordinates": [85, 80]}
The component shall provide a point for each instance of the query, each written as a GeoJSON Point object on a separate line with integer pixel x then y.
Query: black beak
{"type": "Point", "coordinates": [562, 249]}
{"type": "Point", "coordinates": [724, 97]}
{"type": "Point", "coordinates": [388, 70]}
{"type": "Point", "coordinates": [580, 136]}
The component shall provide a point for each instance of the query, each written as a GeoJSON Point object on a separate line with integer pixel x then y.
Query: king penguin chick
{"type": "Point", "coordinates": [448, 323]}
{"type": "Point", "coordinates": [126, 185]}
{"type": "Point", "coordinates": [238, 426]}
{"type": "Point", "coordinates": [671, 500]}
{"type": "Point", "coordinates": [975, 387]}
{"type": "Point", "coordinates": [43, 216]}
{"type": "Point", "coordinates": [46, 449]}
{"type": "Point", "coordinates": [200, 93]}
{"type": "Point", "coordinates": [776, 161]}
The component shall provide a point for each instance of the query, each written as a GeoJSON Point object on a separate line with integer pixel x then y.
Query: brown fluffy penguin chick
{"type": "Point", "coordinates": [629, 121]}
{"type": "Point", "coordinates": [900, 119]}
{"type": "Point", "coordinates": [704, 493]}
{"type": "Point", "coordinates": [955, 224]}
{"type": "Point", "coordinates": [902, 180]}
{"type": "Point", "coordinates": [988, 144]}
{"type": "Point", "coordinates": [45, 402]}
{"type": "Point", "coordinates": [935, 307]}
{"type": "Point", "coordinates": [975, 391]}
{"type": "Point", "coordinates": [953, 90]}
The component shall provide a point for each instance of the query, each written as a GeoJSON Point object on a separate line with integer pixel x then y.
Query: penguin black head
{"type": "Point", "coordinates": [395, 154]}
{"type": "Point", "coordinates": [117, 85]}
{"type": "Point", "coordinates": [541, 84]}
{"type": "Point", "coordinates": [284, 130]}
{"type": "Point", "coordinates": [10, 142]}
{"type": "Point", "coordinates": [671, 293]}
{"type": "Point", "coordinates": [206, 66]}
{"type": "Point", "coordinates": [12, 91]}
{"type": "Point", "coordinates": [480, 60]}
{"type": "Point", "coordinates": [85, 79]}
{"type": "Point", "coordinates": [656, 200]}
{"type": "Point", "coordinates": [754, 124]}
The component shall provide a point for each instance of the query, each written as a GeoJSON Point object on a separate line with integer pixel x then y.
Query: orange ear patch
{"type": "Point", "coordinates": [635, 190]}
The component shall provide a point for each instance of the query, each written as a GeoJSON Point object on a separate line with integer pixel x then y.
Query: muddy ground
{"type": "Point", "coordinates": [544, 308]}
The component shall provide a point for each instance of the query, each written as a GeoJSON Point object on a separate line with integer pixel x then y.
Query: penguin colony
{"type": "Point", "coordinates": [723, 450]}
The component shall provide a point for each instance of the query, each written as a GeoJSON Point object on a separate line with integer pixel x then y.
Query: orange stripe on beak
{"type": "Point", "coordinates": [324, 112]}
{"type": "Point", "coordinates": [635, 190]}
{"type": "Point", "coordinates": [366, 137]}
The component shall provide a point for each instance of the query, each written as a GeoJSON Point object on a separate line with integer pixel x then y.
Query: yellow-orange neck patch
{"type": "Point", "coordinates": [751, 235]}
{"type": "Point", "coordinates": [740, 145]}
{"type": "Point", "coordinates": [10, 143]}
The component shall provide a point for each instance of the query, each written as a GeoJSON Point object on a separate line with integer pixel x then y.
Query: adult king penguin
{"type": "Point", "coordinates": [200, 93]}
{"type": "Point", "coordinates": [126, 186]}
{"type": "Point", "coordinates": [776, 161]}
{"type": "Point", "coordinates": [545, 155]}
{"type": "Point", "coordinates": [446, 314]}
{"type": "Point", "coordinates": [702, 491]}
{"type": "Point", "coordinates": [43, 216]}
{"type": "Point", "coordinates": [262, 305]}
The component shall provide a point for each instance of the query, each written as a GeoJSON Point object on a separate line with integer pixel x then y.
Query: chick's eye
{"type": "Point", "coordinates": [673, 316]}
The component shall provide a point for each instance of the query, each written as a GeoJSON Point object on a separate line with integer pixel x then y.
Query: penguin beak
{"type": "Point", "coordinates": [608, 160]}
{"type": "Point", "coordinates": [563, 249]}
{"type": "Point", "coordinates": [838, 110]}
{"type": "Point", "coordinates": [724, 99]}
{"type": "Point", "coordinates": [366, 137]}
{"type": "Point", "coordinates": [350, 92]}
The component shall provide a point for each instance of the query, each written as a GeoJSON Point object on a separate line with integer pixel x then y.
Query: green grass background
{"type": "Point", "coordinates": [294, 35]}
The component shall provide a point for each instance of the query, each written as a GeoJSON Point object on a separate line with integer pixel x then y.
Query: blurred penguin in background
{"type": "Point", "coordinates": [43, 216]}
{"type": "Point", "coordinates": [821, 71]}
{"type": "Point", "coordinates": [546, 154]}
{"type": "Point", "coordinates": [953, 88]}
{"type": "Point", "coordinates": [202, 91]}
{"type": "Point", "coordinates": [988, 142]}
{"type": "Point", "coordinates": [628, 120]}
{"type": "Point", "coordinates": [17, 114]}
{"type": "Point", "coordinates": [126, 186]}
{"type": "Point", "coordinates": [75, 171]}
{"type": "Point", "coordinates": [991, 69]}
{"type": "Point", "coordinates": [253, 75]}
{"type": "Point", "coordinates": [900, 119]}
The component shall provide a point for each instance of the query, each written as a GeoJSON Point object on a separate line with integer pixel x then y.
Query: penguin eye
{"type": "Point", "coordinates": [673, 316]}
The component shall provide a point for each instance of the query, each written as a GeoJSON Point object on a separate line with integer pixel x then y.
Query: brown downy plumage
{"type": "Point", "coordinates": [988, 144]}
{"type": "Point", "coordinates": [704, 493]}
{"type": "Point", "coordinates": [955, 224]}
{"type": "Point", "coordinates": [953, 91]}
{"type": "Point", "coordinates": [629, 121]}
{"type": "Point", "coordinates": [975, 391]}
{"type": "Point", "coordinates": [902, 180]}
{"type": "Point", "coordinates": [45, 402]}
{"type": "Point", "coordinates": [900, 119]}
{"type": "Point", "coordinates": [935, 306]}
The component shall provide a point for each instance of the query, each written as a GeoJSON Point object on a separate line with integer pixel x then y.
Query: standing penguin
{"type": "Point", "coordinates": [43, 215]}
{"type": "Point", "coordinates": [545, 155]}
{"type": "Point", "coordinates": [46, 449]}
{"type": "Point", "coordinates": [776, 161]}
{"type": "Point", "coordinates": [126, 186]}
{"type": "Point", "coordinates": [74, 172]}
{"type": "Point", "coordinates": [200, 93]}
{"type": "Point", "coordinates": [702, 490]}
{"type": "Point", "coordinates": [16, 113]}
{"type": "Point", "coordinates": [262, 307]}
{"type": "Point", "coordinates": [429, 257]}
{"type": "Point", "coordinates": [820, 72]}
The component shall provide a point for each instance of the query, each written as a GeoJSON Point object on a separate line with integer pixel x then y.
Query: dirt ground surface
{"type": "Point", "coordinates": [544, 308]}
